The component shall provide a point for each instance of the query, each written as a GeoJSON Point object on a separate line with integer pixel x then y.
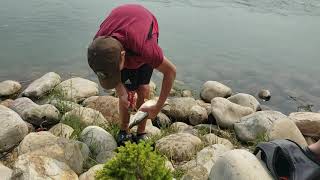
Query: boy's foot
{"type": "Point", "coordinates": [123, 136]}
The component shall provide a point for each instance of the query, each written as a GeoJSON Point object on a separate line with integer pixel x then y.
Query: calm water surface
{"type": "Point", "coordinates": [246, 44]}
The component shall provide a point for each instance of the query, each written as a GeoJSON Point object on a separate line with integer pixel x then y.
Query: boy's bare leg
{"type": "Point", "coordinates": [143, 93]}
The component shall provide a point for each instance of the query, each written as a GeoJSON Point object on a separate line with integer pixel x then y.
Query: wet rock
{"type": "Point", "coordinates": [239, 165]}
{"type": "Point", "coordinates": [41, 167]}
{"type": "Point", "coordinates": [77, 89]}
{"type": "Point", "coordinates": [8, 103]}
{"type": "Point", "coordinates": [12, 130]}
{"type": "Point", "coordinates": [186, 93]}
{"type": "Point", "coordinates": [212, 139]}
{"type": "Point", "coordinates": [227, 113]}
{"type": "Point", "coordinates": [291, 131]}
{"type": "Point", "coordinates": [42, 85]}
{"type": "Point", "coordinates": [246, 100]}
{"type": "Point", "coordinates": [85, 116]}
{"type": "Point", "coordinates": [9, 87]}
{"type": "Point", "coordinates": [178, 108]}
{"type": "Point", "coordinates": [307, 122]}
{"type": "Point", "coordinates": [99, 141]}
{"type": "Point", "coordinates": [73, 153]}
{"type": "Point", "coordinates": [197, 115]}
{"type": "Point", "coordinates": [252, 126]}
{"type": "Point", "coordinates": [108, 106]}
{"type": "Point", "coordinates": [5, 172]}
{"type": "Point", "coordinates": [90, 174]}
{"type": "Point", "coordinates": [36, 114]}
{"type": "Point", "coordinates": [212, 89]}
{"type": "Point", "coordinates": [179, 147]}
{"type": "Point", "coordinates": [162, 121]}
{"type": "Point", "coordinates": [62, 130]}
{"type": "Point", "coordinates": [264, 95]}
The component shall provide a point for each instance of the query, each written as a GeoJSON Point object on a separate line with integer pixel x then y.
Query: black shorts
{"type": "Point", "coordinates": [133, 78]}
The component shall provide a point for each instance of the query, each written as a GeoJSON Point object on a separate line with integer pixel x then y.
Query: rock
{"type": "Point", "coordinates": [212, 139]}
{"type": "Point", "coordinates": [73, 153]}
{"type": "Point", "coordinates": [42, 167]}
{"type": "Point", "coordinates": [169, 165]}
{"type": "Point", "coordinates": [36, 114]}
{"type": "Point", "coordinates": [291, 131]}
{"type": "Point", "coordinates": [86, 117]}
{"type": "Point", "coordinates": [307, 122]}
{"type": "Point", "coordinates": [173, 93]}
{"type": "Point", "coordinates": [5, 172]}
{"type": "Point", "coordinates": [197, 115]}
{"type": "Point", "coordinates": [227, 113]}
{"type": "Point", "coordinates": [179, 147]}
{"type": "Point", "coordinates": [207, 106]}
{"type": "Point", "coordinates": [12, 130]}
{"type": "Point", "coordinates": [90, 174]}
{"type": "Point", "coordinates": [8, 103]}
{"type": "Point", "coordinates": [162, 121]}
{"type": "Point", "coordinates": [239, 164]}
{"type": "Point", "coordinates": [150, 130]}
{"type": "Point", "coordinates": [77, 89]}
{"type": "Point", "coordinates": [212, 89]}
{"type": "Point", "coordinates": [64, 106]}
{"type": "Point", "coordinates": [183, 127]}
{"type": "Point", "coordinates": [186, 93]}
{"type": "Point", "coordinates": [9, 87]}
{"type": "Point", "coordinates": [42, 85]}
{"type": "Point", "coordinates": [62, 130]}
{"type": "Point", "coordinates": [178, 108]}
{"type": "Point", "coordinates": [99, 141]}
{"type": "Point", "coordinates": [153, 89]}
{"type": "Point", "coordinates": [30, 127]}
{"type": "Point", "coordinates": [310, 140]}
{"type": "Point", "coordinates": [246, 100]}
{"type": "Point", "coordinates": [86, 102]}
{"type": "Point", "coordinates": [196, 173]}
{"type": "Point", "coordinates": [264, 94]}
{"type": "Point", "coordinates": [252, 126]}
{"type": "Point", "coordinates": [108, 106]}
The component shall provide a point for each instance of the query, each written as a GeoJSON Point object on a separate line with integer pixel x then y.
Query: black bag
{"type": "Point", "coordinates": [285, 159]}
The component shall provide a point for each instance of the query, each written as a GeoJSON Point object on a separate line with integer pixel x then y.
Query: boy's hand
{"type": "Point", "coordinates": [151, 107]}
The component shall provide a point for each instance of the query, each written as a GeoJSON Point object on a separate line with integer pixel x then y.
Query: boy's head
{"type": "Point", "coordinates": [106, 59]}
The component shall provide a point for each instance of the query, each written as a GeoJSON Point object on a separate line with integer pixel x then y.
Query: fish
{"type": "Point", "coordinates": [137, 118]}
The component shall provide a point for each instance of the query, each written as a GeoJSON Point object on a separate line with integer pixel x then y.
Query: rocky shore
{"type": "Point", "coordinates": [64, 129]}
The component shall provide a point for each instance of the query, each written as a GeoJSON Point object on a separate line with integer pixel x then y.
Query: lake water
{"type": "Point", "coordinates": [246, 44]}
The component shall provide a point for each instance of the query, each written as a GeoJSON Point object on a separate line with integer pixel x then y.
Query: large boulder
{"type": "Point", "coordinates": [307, 122]}
{"type": "Point", "coordinates": [212, 139]}
{"type": "Point", "coordinates": [9, 87]}
{"type": "Point", "coordinates": [86, 117]}
{"type": "Point", "coordinates": [252, 126]}
{"type": "Point", "coordinates": [108, 106]}
{"type": "Point", "coordinates": [36, 114]}
{"type": "Point", "coordinates": [99, 141]}
{"type": "Point", "coordinates": [77, 89]}
{"type": "Point", "coordinates": [5, 172]}
{"type": "Point", "coordinates": [90, 174]}
{"type": "Point", "coordinates": [239, 165]}
{"type": "Point", "coordinates": [246, 100]}
{"type": "Point", "coordinates": [227, 113]}
{"type": "Point", "coordinates": [41, 167]}
{"type": "Point", "coordinates": [198, 115]}
{"type": "Point", "coordinates": [212, 89]}
{"type": "Point", "coordinates": [62, 130]}
{"type": "Point", "coordinates": [291, 131]}
{"type": "Point", "coordinates": [178, 108]}
{"type": "Point", "coordinates": [42, 85]}
{"type": "Point", "coordinates": [73, 153]}
{"type": "Point", "coordinates": [179, 146]}
{"type": "Point", "coordinates": [12, 129]}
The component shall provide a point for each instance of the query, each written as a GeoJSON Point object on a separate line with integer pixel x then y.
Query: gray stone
{"type": "Point", "coordinates": [227, 113]}
{"type": "Point", "coordinates": [36, 114]}
{"type": "Point", "coordinates": [212, 139]}
{"type": "Point", "coordinates": [5, 172]}
{"type": "Point", "coordinates": [89, 100]}
{"type": "Point", "coordinates": [186, 93]}
{"type": "Point", "coordinates": [252, 126]}
{"type": "Point", "coordinates": [205, 105]}
{"type": "Point", "coordinates": [212, 89]}
{"type": "Point", "coordinates": [62, 130]}
{"type": "Point", "coordinates": [90, 174]}
{"type": "Point", "coordinates": [73, 153]}
{"type": "Point", "coordinates": [77, 89]}
{"type": "Point", "coordinates": [9, 87]}
{"type": "Point", "coordinates": [239, 165]}
{"type": "Point", "coordinates": [307, 122]}
{"type": "Point", "coordinates": [42, 85]}
{"type": "Point", "coordinates": [178, 108]}
{"type": "Point", "coordinates": [162, 121]}
{"type": "Point", "coordinates": [183, 127]}
{"type": "Point", "coordinates": [264, 94]}
{"type": "Point", "coordinates": [246, 100]}
{"type": "Point", "coordinates": [99, 141]}
{"type": "Point", "coordinates": [197, 115]}
{"type": "Point", "coordinates": [12, 130]}
{"type": "Point", "coordinates": [41, 168]}
{"type": "Point", "coordinates": [179, 147]}
{"type": "Point", "coordinates": [150, 130]}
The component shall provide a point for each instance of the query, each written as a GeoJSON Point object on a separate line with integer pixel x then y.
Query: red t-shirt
{"type": "Point", "coordinates": [137, 30]}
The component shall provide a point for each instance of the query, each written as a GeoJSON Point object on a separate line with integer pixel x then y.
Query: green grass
{"type": "Point", "coordinates": [77, 125]}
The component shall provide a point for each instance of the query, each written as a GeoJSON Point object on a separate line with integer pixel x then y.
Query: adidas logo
{"type": "Point", "coordinates": [127, 81]}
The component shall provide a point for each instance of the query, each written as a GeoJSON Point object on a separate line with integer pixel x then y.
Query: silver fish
{"type": "Point", "coordinates": [137, 118]}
